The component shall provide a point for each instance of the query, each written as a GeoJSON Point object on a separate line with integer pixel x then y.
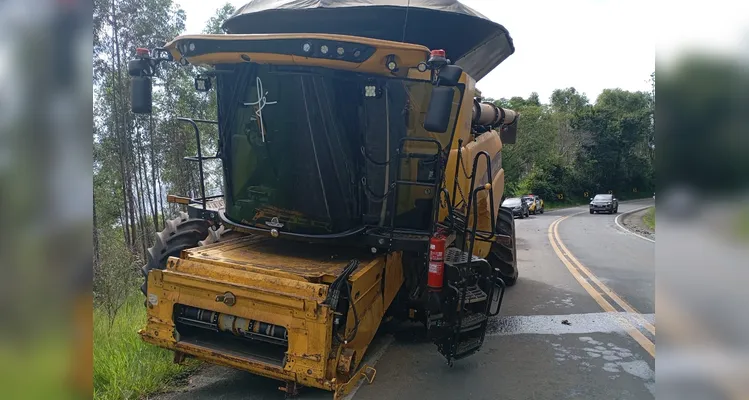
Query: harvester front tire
{"type": "Point", "coordinates": [501, 255]}
{"type": "Point", "coordinates": [179, 234]}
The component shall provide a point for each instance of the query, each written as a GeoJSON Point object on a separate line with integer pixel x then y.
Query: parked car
{"type": "Point", "coordinates": [604, 203]}
{"type": "Point", "coordinates": [531, 202]}
{"type": "Point", "coordinates": [518, 206]}
{"type": "Point", "coordinates": [539, 204]}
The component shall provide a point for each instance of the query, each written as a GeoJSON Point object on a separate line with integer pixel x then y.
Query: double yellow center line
{"type": "Point", "coordinates": [599, 291]}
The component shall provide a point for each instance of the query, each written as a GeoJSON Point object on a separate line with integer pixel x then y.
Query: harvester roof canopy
{"type": "Point", "coordinates": [471, 40]}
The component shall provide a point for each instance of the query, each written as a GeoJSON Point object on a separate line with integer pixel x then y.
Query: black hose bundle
{"type": "Point", "coordinates": [334, 293]}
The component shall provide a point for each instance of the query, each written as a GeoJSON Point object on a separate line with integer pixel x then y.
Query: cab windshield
{"type": "Point", "coordinates": [311, 150]}
{"type": "Point", "coordinates": [603, 197]}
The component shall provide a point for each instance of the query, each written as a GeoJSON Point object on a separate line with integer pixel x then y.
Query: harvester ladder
{"type": "Point", "coordinates": [436, 159]}
{"type": "Point", "coordinates": [473, 273]}
{"type": "Point", "coordinates": [199, 158]}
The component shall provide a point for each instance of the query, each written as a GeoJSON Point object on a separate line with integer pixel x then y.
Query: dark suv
{"type": "Point", "coordinates": [604, 203]}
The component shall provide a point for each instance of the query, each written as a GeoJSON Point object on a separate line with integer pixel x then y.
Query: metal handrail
{"type": "Point", "coordinates": [199, 158]}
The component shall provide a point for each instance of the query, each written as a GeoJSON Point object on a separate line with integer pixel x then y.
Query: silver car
{"type": "Point", "coordinates": [604, 203]}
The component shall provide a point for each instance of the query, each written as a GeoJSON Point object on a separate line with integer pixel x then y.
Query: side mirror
{"type": "Point", "coordinates": [450, 75]}
{"type": "Point", "coordinates": [509, 134]}
{"type": "Point", "coordinates": [141, 95]}
{"type": "Point", "coordinates": [439, 110]}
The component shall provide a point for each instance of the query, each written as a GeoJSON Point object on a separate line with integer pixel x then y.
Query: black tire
{"type": "Point", "coordinates": [179, 234]}
{"type": "Point", "coordinates": [542, 211]}
{"type": "Point", "coordinates": [591, 211]}
{"type": "Point", "coordinates": [503, 256]}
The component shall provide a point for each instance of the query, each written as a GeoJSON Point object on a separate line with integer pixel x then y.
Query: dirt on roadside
{"type": "Point", "coordinates": [635, 223]}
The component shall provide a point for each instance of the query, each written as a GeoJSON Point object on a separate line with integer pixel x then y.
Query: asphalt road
{"type": "Point", "coordinates": [579, 324]}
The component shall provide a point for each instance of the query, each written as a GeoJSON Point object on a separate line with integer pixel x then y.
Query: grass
{"type": "Point", "coordinates": [548, 205]}
{"type": "Point", "coordinates": [126, 367]}
{"type": "Point", "coordinates": [649, 218]}
{"type": "Point", "coordinates": [742, 224]}
{"type": "Point", "coordinates": [39, 366]}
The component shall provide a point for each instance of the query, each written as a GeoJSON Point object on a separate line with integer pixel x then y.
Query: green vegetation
{"type": "Point", "coordinates": [649, 218]}
{"type": "Point", "coordinates": [742, 224]}
{"type": "Point", "coordinates": [573, 149]}
{"type": "Point", "coordinates": [125, 367]}
{"type": "Point", "coordinates": [136, 160]}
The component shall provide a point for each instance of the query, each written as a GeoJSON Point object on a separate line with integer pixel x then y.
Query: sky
{"type": "Point", "coordinates": [590, 45]}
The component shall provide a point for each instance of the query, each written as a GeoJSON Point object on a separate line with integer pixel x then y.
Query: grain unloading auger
{"type": "Point", "coordinates": [362, 179]}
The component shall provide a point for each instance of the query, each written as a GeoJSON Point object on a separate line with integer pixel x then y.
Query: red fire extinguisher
{"type": "Point", "coordinates": [436, 275]}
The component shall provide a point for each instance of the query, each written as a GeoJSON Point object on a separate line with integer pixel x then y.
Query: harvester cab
{"type": "Point", "coordinates": [362, 179]}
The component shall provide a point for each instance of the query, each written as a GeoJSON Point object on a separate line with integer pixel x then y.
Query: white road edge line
{"type": "Point", "coordinates": [616, 220]}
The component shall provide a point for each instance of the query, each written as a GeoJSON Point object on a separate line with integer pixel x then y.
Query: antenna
{"type": "Point", "coordinates": [405, 21]}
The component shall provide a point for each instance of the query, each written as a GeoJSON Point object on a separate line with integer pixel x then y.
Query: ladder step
{"type": "Point", "coordinates": [467, 347]}
{"type": "Point", "coordinates": [454, 256]}
{"type": "Point", "coordinates": [472, 322]}
{"type": "Point", "coordinates": [196, 158]}
{"type": "Point", "coordinates": [474, 294]}
{"type": "Point", "coordinates": [415, 183]}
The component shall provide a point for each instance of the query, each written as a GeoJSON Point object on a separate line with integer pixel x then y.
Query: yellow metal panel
{"type": "Point", "coordinates": [311, 358]}
{"type": "Point", "coordinates": [188, 272]}
{"type": "Point", "coordinates": [281, 258]}
{"type": "Point", "coordinates": [370, 301]}
{"type": "Point", "coordinates": [393, 277]}
{"type": "Point", "coordinates": [407, 55]}
{"type": "Point", "coordinates": [489, 142]}
{"type": "Point", "coordinates": [292, 304]}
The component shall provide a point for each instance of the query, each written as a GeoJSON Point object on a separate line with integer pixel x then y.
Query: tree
{"type": "Point", "coordinates": [568, 100]}
{"type": "Point", "coordinates": [222, 14]}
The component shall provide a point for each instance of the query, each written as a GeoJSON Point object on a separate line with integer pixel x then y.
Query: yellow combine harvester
{"type": "Point", "coordinates": [362, 178]}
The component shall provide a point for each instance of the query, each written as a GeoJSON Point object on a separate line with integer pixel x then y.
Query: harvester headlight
{"type": "Point", "coordinates": [357, 53]}
{"type": "Point", "coordinates": [324, 49]}
{"type": "Point", "coordinates": [202, 83]}
{"type": "Point", "coordinates": [370, 91]}
{"type": "Point", "coordinates": [391, 64]}
{"type": "Point", "coordinates": [422, 67]}
{"type": "Point", "coordinates": [340, 51]}
{"type": "Point", "coordinates": [307, 47]}
{"type": "Point", "coordinates": [192, 46]}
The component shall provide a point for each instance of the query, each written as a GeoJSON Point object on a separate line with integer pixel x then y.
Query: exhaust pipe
{"type": "Point", "coordinates": [488, 114]}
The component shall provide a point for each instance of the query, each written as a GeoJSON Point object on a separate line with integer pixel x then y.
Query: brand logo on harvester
{"type": "Point", "coordinates": [274, 223]}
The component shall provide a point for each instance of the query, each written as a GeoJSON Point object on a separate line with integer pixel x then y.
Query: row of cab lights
{"type": "Point", "coordinates": [390, 63]}
{"type": "Point", "coordinates": [324, 49]}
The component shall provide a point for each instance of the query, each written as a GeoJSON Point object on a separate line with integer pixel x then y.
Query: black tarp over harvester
{"type": "Point", "coordinates": [470, 39]}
